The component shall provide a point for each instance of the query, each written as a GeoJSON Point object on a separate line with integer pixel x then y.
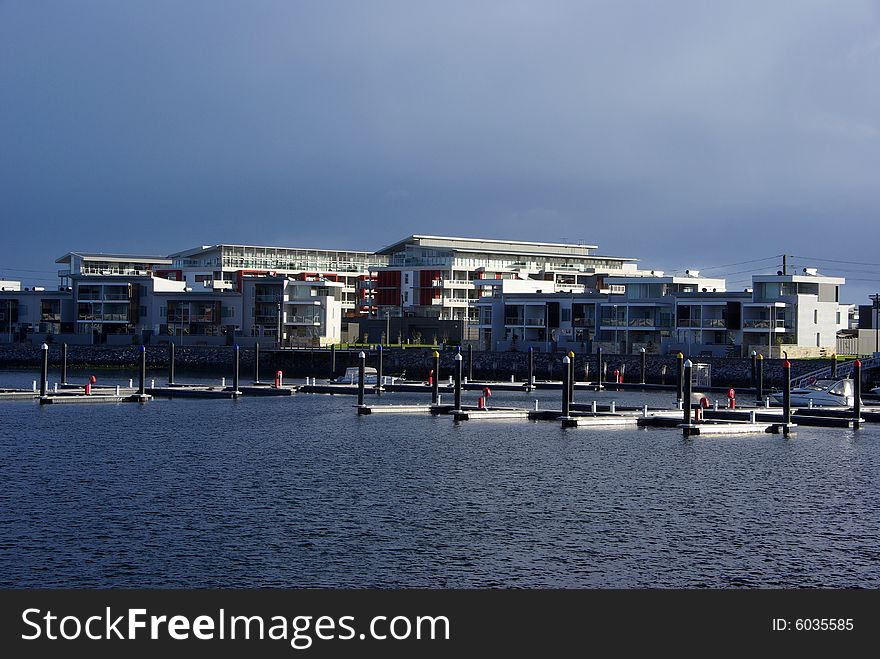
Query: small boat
{"type": "Point", "coordinates": [371, 376]}
{"type": "Point", "coordinates": [821, 393]}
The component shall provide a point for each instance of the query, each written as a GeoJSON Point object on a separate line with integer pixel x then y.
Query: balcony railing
{"type": "Point", "coordinates": [642, 322]}
{"type": "Point", "coordinates": [765, 324]}
{"type": "Point", "coordinates": [715, 322]}
{"type": "Point", "coordinates": [267, 298]}
{"type": "Point", "coordinates": [534, 322]}
{"type": "Point", "coordinates": [614, 322]}
{"type": "Point", "coordinates": [583, 322]}
{"type": "Point", "coordinates": [688, 322]}
{"type": "Point", "coordinates": [513, 320]}
{"type": "Point", "coordinates": [303, 320]}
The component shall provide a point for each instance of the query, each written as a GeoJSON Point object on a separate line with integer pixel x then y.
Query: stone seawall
{"type": "Point", "coordinates": [413, 362]}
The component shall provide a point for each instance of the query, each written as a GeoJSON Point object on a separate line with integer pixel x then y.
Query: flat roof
{"type": "Point", "coordinates": [419, 238]}
{"type": "Point", "coordinates": [810, 279]}
{"type": "Point", "coordinates": [208, 248]}
{"type": "Point", "coordinates": [124, 258]}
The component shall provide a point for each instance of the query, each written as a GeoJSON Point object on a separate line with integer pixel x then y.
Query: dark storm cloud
{"type": "Point", "coordinates": [683, 133]}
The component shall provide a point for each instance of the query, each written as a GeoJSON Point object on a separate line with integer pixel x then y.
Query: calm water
{"type": "Point", "coordinates": [300, 491]}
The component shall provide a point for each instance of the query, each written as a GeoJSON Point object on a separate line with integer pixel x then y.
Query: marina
{"type": "Point", "coordinates": [264, 492]}
{"type": "Point", "coordinates": [699, 417]}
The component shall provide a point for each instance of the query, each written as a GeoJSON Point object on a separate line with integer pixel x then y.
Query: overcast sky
{"type": "Point", "coordinates": [684, 133]}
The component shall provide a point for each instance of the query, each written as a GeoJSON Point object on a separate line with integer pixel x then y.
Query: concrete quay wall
{"type": "Point", "coordinates": [413, 362]}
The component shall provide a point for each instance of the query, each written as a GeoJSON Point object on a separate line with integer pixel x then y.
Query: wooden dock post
{"type": "Point", "coordinates": [644, 360]}
{"type": "Point", "coordinates": [142, 373]}
{"type": "Point", "coordinates": [680, 394]}
{"type": "Point", "coordinates": [171, 363]}
{"type": "Point", "coordinates": [599, 368]}
{"type": "Point", "coordinates": [786, 397]}
{"type": "Point", "coordinates": [235, 351]}
{"type": "Point", "coordinates": [760, 377]}
{"type": "Point", "coordinates": [332, 361]}
{"type": "Point", "coordinates": [530, 379]}
{"type": "Point", "coordinates": [63, 363]}
{"type": "Point", "coordinates": [44, 371]}
{"type": "Point", "coordinates": [834, 366]}
{"type": "Point", "coordinates": [755, 372]}
{"type": "Point", "coordinates": [458, 367]}
{"type": "Point", "coordinates": [379, 369]}
{"type": "Point", "coordinates": [257, 363]}
{"type": "Point", "coordinates": [566, 390]}
{"type": "Point", "coordinates": [857, 391]}
{"type": "Point", "coordinates": [571, 377]}
{"type": "Point", "coordinates": [362, 358]}
{"type": "Point", "coordinates": [470, 362]}
{"type": "Point", "coordinates": [688, 390]}
{"type": "Point", "coordinates": [435, 384]}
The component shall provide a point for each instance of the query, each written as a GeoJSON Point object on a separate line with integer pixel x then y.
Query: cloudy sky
{"type": "Point", "coordinates": [684, 133]}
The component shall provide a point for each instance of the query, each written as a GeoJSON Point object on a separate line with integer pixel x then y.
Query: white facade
{"type": "Point", "coordinates": [794, 315]}
{"type": "Point", "coordinates": [440, 276]}
{"type": "Point", "coordinates": [223, 267]}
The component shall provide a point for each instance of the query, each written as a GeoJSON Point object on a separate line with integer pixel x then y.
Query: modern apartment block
{"type": "Point", "coordinates": [225, 267]}
{"type": "Point", "coordinates": [507, 295]}
{"type": "Point", "coordinates": [441, 277]}
{"type": "Point", "coordinates": [28, 311]}
{"type": "Point", "coordinates": [794, 315]}
{"type": "Point", "coordinates": [291, 312]}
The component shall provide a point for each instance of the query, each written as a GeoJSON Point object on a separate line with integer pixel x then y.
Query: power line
{"type": "Point", "coordinates": [813, 258]}
{"type": "Point", "coordinates": [730, 265]}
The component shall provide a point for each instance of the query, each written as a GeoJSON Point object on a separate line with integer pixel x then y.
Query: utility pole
{"type": "Point", "coordinates": [785, 264]}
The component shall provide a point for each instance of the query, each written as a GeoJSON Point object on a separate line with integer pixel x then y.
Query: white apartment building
{"type": "Point", "coordinates": [794, 315]}
{"type": "Point", "coordinates": [225, 267]}
{"type": "Point", "coordinates": [440, 276]}
{"type": "Point", "coordinates": [292, 313]}
{"type": "Point", "coordinates": [798, 314]}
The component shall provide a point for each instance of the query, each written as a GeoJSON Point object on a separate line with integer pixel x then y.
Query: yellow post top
{"type": "Point", "coordinates": [760, 356]}
{"type": "Point", "coordinates": [436, 354]}
{"type": "Point", "coordinates": [571, 354]}
{"type": "Point", "coordinates": [680, 356]}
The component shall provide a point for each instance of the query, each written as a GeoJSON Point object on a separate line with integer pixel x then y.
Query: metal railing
{"type": "Point", "coordinates": [306, 320]}
{"type": "Point", "coordinates": [844, 370]}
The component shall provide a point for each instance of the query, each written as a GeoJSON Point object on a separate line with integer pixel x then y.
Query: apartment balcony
{"type": "Point", "coordinates": [514, 320]}
{"type": "Point", "coordinates": [689, 322]}
{"type": "Point", "coordinates": [51, 317]}
{"type": "Point", "coordinates": [642, 322]}
{"type": "Point", "coordinates": [717, 323]}
{"type": "Point", "coordinates": [454, 301]}
{"type": "Point", "coordinates": [116, 297]}
{"type": "Point", "coordinates": [458, 283]}
{"type": "Point", "coordinates": [534, 322]}
{"type": "Point", "coordinates": [613, 322]}
{"type": "Point", "coordinates": [583, 322]}
{"type": "Point", "coordinates": [104, 318]}
{"type": "Point", "coordinates": [302, 320]}
{"type": "Point", "coordinates": [267, 298]}
{"type": "Point", "coordinates": [766, 325]}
